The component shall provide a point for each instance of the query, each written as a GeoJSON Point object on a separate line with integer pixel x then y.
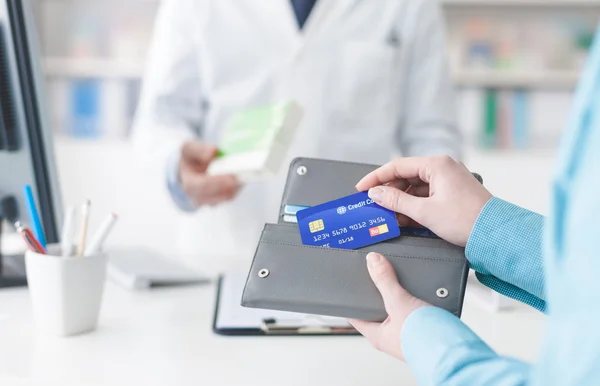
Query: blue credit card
{"type": "Point", "coordinates": [347, 223]}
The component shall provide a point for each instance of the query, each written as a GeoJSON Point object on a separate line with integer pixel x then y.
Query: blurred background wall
{"type": "Point", "coordinates": [515, 63]}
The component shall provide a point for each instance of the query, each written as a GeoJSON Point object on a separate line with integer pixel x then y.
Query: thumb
{"type": "Point", "coordinates": [398, 201]}
{"type": "Point", "coordinates": [385, 279]}
{"type": "Point", "coordinates": [198, 154]}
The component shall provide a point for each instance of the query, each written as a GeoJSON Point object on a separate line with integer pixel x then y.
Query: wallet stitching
{"type": "Point", "coordinates": [338, 162]}
{"type": "Point", "coordinates": [384, 243]}
{"type": "Point", "coordinates": [462, 288]}
{"type": "Point", "coordinates": [272, 228]}
{"type": "Point", "coordinates": [361, 252]}
{"type": "Point", "coordinates": [252, 267]}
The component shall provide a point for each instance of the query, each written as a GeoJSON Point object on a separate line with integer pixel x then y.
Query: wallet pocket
{"type": "Point", "coordinates": [288, 276]}
{"type": "Point", "coordinates": [410, 245]}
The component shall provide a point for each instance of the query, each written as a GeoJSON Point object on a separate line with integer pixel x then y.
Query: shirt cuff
{"type": "Point", "coordinates": [503, 247]}
{"type": "Point", "coordinates": [512, 291]}
{"type": "Point", "coordinates": [179, 197]}
{"type": "Point", "coordinates": [434, 341]}
{"type": "Point", "coordinates": [495, 213]}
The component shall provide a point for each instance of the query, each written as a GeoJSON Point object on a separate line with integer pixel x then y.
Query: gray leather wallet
{"type": "Point", "coordinates": [289, 276]}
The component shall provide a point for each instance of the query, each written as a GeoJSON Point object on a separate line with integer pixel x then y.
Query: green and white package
{"type": "Point", "coordinates": [256, 140]}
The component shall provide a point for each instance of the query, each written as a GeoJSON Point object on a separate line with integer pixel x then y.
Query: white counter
{"type": "Point", "coordinates": [165, 337]}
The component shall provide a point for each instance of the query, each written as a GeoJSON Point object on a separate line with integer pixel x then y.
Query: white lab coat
{"type": "Point", "coordinates": [371, 76]}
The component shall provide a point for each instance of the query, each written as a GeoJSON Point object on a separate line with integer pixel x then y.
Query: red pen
{"type": "Point", "coordinates": [32, 243]}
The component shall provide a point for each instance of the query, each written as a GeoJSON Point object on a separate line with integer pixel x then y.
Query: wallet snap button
{"type": "Point", "coordinates": [302, 170]}
{"type": "Point", "coordinates": [263, 273]}
{"type": "Point", "coordinates": [441, 293]}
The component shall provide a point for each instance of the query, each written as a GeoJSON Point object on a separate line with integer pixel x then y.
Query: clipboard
{"type": "Point", "coordinates": [231, 319]}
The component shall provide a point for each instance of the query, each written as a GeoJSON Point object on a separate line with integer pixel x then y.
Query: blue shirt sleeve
{"type": "Point", "coordinates": [179, 197]}
{"type": "Point", "coordinates": [505, 249]}
{"type": "Point", "coordinates": [441, 350]}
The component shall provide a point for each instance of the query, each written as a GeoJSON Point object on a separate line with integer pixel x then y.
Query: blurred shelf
{"type": "Point", "coordinates": [526, 3]}
{"type": "Point", "coordinates": [99, 142]}
{"type": "Point", "coordinates": [92, 68]}
{"type": "Point", "coordinates": [514, 154]}
{"type": "Point", "coordinates": [523, 3]}
{"type": "Point", "coordinates": [498, 79]}
{"type": "Point", "coordinates": [87, 2]}
{"type": "Point", "coordinates": [107, 68]}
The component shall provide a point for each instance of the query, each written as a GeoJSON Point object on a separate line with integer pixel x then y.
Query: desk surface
{"type": "Point", "coordinates": [164, 337]}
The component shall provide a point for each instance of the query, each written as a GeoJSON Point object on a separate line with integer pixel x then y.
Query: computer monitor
{"type": "Point", "coordinates": [26, 148]}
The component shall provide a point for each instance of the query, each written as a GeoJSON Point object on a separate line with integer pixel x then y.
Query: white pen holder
{"type": "Point", "coordinates": [66, 292]}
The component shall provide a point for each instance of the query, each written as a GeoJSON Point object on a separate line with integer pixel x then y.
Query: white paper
{"type": "Point", "coordinates": [232, 315]}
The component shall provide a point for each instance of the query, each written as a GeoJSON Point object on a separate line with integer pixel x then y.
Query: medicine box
{"type": "Point", "coordinates": [256, 141]}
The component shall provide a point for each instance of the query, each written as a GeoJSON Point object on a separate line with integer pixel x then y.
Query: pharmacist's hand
{"type": "Point", "coordinates": [201, 188]}
{"type": "Point", "coordinates": [437, 192]}
{"type": "Point", "coordinates": [398, 305]}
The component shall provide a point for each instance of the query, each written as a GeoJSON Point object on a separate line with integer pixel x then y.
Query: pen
{"type": "Point", "coordinates": [85, 215]}
{"type": "Point", "coordinates": [34, 215]}
{"type": "Point", "coordinates": [32, 243]}
{"type": "Point", "coordinates": [66, 237]}
{"type": "Point", "coordinates": [101, 235]}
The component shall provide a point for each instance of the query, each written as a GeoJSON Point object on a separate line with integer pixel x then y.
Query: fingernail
{"type": "Point", "coordinates": [373, 258]}
{"type": "Point", "coordinates": [376, 194]}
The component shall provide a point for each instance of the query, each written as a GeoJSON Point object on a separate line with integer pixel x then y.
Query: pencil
{"type": "Point", "coordinates": [101, 235]}
{"type": "Point", "coordinates": [34, 215]}
{"type": "Point", "coordinates": [66, 238]}
{"type": "Point", "coordinates": [85, 215]}
{"type": "Point", "coordinates": [32, 243]}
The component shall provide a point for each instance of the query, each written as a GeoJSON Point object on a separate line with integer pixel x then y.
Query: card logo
{"type": "Point", "coordinates": [341, 210]}
{"type": "Point", "coordinates": [379, 230]}
{"type": "Point", "coordinates": [316, 226]}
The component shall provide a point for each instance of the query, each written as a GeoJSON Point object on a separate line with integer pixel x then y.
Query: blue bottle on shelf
{"type": "Point", "coordinates": [85, 109]}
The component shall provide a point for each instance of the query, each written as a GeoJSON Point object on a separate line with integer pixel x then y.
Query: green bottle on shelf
{"type": "Point", "coordinates": [490, 127]}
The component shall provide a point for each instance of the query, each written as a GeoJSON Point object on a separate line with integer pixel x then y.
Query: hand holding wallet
{"type": "Point", "coordinates": [289, 276]}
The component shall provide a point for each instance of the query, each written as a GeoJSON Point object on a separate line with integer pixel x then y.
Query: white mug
{"type": "Point", "coordinates": [66, 292]}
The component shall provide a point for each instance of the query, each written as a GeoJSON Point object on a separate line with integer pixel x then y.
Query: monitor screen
{"type": "Point", "coordinates": [26, 151]}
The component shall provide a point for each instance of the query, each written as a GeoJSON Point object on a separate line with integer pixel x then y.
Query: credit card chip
{"type": "Point", "coordinates": [316, 226]}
